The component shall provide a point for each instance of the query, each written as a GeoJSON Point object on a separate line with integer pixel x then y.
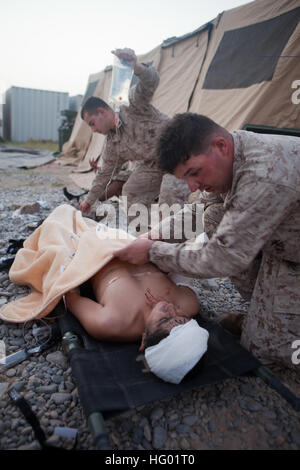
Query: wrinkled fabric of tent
{"type": "Point", "coordinates": [18, 157]}
{"type": "Point", "coordinates": [237, 69]}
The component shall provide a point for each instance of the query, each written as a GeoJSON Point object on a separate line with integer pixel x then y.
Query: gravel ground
{"type": "Point", "coordinates": [240, 413]}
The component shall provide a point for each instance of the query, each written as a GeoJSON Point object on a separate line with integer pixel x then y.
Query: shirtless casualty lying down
{"type": "Point", "coordinates": [132, 303]}
{"type": "Point", "coordinates": [131, 299]}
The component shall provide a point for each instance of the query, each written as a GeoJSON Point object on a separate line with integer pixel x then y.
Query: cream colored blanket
{"type": "Point", "coordinates": [62, 253]}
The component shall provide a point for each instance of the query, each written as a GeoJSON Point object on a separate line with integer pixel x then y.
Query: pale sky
{"type": "Point", "coordinates": [57, 44]}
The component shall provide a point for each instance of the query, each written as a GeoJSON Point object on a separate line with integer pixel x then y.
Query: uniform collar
{"type": "Point", "coordinates": [117, 129]}
{"type": "Point", "coordinates": [239, 157]}
{"type": "Point", "coordinates": [238, 160]}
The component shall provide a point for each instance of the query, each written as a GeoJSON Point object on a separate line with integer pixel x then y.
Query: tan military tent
{"type": "Point", "coordinates": [240, 68]}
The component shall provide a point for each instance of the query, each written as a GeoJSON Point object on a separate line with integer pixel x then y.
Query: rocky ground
{"type": "Point", "coordinates": [240, 413]}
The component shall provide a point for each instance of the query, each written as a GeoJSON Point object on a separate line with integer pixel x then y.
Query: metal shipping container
{"type": "Point", "coordinates": [33, 114]}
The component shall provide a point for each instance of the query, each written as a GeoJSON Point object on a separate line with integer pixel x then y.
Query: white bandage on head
{"type": "Point", "coordinates": [174, 356]}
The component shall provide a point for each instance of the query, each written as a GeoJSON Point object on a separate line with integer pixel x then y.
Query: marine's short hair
{"type": "Point", "coordinates": [184, 135]}
{"type": "Point", "coordinates": [92, 104]}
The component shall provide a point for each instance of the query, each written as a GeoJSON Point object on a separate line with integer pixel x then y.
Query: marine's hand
{"type": "Point", "coordinates": [151, 235]}
{"type": "Point", "coordinates": [136, 253]}
{"type": "Point", "coordinates": [126, 54]}
{"type": "Point", "coordinates": [84, 207]}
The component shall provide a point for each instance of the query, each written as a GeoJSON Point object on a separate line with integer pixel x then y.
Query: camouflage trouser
{"type": "Point", "coordinates": [123, 174]}
{"type": "Point", "coordinates": [245, 282]}
{"type": "Point", "coordinates": [144, 183]}
{"type": "Point", "coordinates": [272, 323]}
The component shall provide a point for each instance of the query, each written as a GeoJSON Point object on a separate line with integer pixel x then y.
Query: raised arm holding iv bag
{"type": "Point", "coordinates": [120, 84]}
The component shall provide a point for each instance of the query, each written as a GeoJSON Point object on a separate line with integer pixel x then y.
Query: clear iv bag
{"type": "Point", "coordinates": [120, 83]}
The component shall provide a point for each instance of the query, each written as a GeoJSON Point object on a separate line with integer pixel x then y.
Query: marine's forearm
{"type": "Point", "coordinates": [139, 68]}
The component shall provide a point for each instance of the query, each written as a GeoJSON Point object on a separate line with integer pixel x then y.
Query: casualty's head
{"type": "Point", "coordinates": [162, 318]}
{"type": "Point", "coordinates": [195, 148]}
{"type": "Point", "coordinates": [98, 115]}
{"type": "Point", "coordinates": [173, 342]}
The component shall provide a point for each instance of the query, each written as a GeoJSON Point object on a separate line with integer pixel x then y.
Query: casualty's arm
{"type": "Point", "coordinates": [95, 319]}
{"type": "Point", "coordinates": [243, 231]}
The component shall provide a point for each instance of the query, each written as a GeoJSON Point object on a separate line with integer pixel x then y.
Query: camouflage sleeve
{"type": "Point", "coordinates": [208, 199]}
{"type": "Point", "coordinates": [109, 166]}
{"type": "Point", "coordinates": [245, 228]}
{"type": "Point", "coordinates": [142, 93]}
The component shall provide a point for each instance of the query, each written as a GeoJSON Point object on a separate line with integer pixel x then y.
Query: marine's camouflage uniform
{"type": "Point", "coordinates": [173, 191]}
{"type": "Point", "coordinates": [213, 206]}
{"type": "Point", "coordinates": [255, 240]}
{"type": "Point", "coordinates": [135, 140]}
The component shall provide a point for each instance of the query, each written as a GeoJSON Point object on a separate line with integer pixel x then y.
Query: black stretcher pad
{"type": "Point", "coordinates": [110, 380]}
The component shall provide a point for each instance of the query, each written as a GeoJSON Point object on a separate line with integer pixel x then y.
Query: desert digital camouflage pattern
{"type": "Point", "coordinates": [173, 191]}
{"type": "Point", "coordinates": [207, 71]}
{"type": "Point", "coordinates": [256, 242]}
{"type": "Point", "coordinates": [135, 140]}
